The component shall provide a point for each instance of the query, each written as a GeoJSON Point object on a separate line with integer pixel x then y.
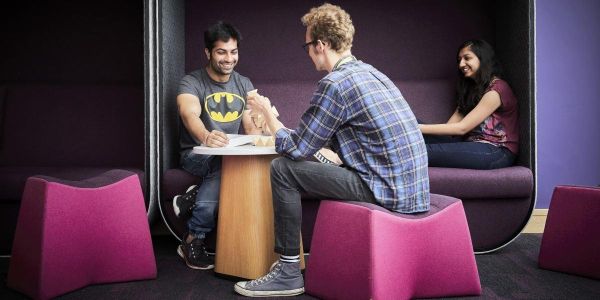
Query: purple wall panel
{"type": "Point", "coordinates": [72, 42]}
{"type": "Point", "coordinates": [387, 34]}
{"type": "Point", "coordinates": [568, 87]}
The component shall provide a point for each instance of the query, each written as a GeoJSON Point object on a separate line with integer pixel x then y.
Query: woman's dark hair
{"type": "Point", "coordinates": [220, 32]}
{"type": "Point", "coordinates": [470, 90]}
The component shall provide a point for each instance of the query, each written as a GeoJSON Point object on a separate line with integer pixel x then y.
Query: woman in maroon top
{"type": "Point", "coordinates": [483, 132]}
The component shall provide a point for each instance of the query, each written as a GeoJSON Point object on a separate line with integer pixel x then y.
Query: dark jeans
{"type": "Point", "coordinates": [290, 179]}
{"type": "Point", "coordinates": [451, 152]}
{"type": "Point", "coordinates": [204, 215]}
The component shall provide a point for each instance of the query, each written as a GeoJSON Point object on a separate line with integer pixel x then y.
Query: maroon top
{"type": "Point", "coordinates": [501, 128]}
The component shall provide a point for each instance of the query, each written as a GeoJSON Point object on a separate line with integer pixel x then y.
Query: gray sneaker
{"type": "Point", "coordinates": [284, 279]}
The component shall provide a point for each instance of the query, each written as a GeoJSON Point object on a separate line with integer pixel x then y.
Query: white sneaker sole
{"type": "Point", "coordinates": [175, 207]}
{"type": "Point", "coordinates": [180, 252]}
{"type": "Point", "coordinates": [242, 291]}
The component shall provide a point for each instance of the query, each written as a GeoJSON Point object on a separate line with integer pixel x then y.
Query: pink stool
{"type": "Point", "coordinates": [363, 251]}
{"type": "Point", "coordinates": [74, 233]}
{"type": "Point", "coordinates": [571, 240]}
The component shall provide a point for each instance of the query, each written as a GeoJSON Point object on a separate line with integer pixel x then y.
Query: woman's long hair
{"type": "Point", "coordinates": [470, 90]}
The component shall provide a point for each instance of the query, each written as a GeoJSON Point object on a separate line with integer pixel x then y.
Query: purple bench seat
{"type": "Point", "coordinates": [66, 131]}
{"type": "Point", "coordinates": [497, 202]}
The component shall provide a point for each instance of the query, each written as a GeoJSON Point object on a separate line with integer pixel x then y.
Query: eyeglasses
{"type": "Point", "coordinates": [305, 46]}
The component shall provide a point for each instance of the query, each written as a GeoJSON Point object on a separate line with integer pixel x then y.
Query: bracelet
{"type": "Point", "coordinates": [321, 158]}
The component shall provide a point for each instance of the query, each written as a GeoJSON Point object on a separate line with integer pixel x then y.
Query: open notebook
{"type": "Point", "coordinates": [240, 139]}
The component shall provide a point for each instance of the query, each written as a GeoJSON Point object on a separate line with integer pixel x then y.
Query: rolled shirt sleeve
{"type": "Point", "coordinates": [317, 125]}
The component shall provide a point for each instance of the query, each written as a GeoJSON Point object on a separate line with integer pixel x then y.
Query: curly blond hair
{"type": "Point", "coordinates": [330, 23]}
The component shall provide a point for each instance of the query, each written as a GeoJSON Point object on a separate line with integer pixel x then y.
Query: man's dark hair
{"type": "Point", "coordinates": [470, 90]}
{"type": "Point", "coordinates": [220, 32]}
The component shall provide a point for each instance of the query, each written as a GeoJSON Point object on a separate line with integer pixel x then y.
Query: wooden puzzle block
{"type": "Point", "coordinates": [264, 141]}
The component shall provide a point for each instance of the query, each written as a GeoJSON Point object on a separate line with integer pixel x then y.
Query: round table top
{"type": "Point", "coordinates": [238, 150]}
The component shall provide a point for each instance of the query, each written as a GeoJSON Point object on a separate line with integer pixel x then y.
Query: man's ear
{"type": "Point", "coordinates": [207, 53]}
{"type": "Point", "coordinates": [320, 46]}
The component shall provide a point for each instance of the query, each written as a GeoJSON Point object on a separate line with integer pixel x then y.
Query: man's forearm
{"type": "Point", "coordinates": [196, 128]}
{"type": "Point", "coordinates": [273, 123]}
{"type": "Point", "coordinates": [249, 126]}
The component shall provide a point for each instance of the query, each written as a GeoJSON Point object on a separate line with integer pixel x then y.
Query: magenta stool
{"type": "Point", "coordinates": [363, 251]}
{"type": "Point", "coordinates": [571, 239]}
{"type": "Point", "coordinates": [71, 234]}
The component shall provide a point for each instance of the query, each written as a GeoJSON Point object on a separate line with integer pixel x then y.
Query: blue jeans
{"type": "Point", "coordinates": [207, 167]}
{"type": "Point", "coordinates": [451, 152]}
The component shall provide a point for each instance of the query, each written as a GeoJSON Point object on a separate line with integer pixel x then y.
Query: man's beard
{"type": "Point", "coordinates": [217, 69]}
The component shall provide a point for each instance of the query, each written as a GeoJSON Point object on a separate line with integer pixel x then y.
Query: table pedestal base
{"type": "Point", "coordinates": [245, 232]}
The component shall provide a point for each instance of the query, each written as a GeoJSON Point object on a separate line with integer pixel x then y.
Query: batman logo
{"type": "Point", "coordinates": [224, 107]}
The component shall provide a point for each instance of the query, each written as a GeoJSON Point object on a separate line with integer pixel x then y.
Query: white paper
{"type": "Point", "coordinates": [239, 139]}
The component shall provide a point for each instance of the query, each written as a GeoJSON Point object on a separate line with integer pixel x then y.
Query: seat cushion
{"type": "Point", "coordinates": [393, 256]}
{"type": "Point", "coordinates": [12, 179]}
{"type": "Point", "coordinates": [511, 182]}
{"type": "Point", "coordinates": [570, 243]}
{"type": "Point", "coordinates": [102, 180]}
{"type": "Point", "coordinates": [85, 231]}
{"type": "Point", "coordinates": [438, 203]}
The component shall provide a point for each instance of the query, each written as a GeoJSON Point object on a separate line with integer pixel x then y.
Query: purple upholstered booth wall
{"type": "Point", "coordinates": [407, 40]}
{"type": "Point", "coordinates": [72, 42]}
{"type": "Point", "coordinates": [568, 44]}
{"type": "Point", "coordinates": [52, 125]}
{"type": "Point", "coordinates": [71, 94]}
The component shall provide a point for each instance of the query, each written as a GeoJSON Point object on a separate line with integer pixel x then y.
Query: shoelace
{"type": "Point", "coordinates": [191, 195]}
{"type": "Point", "coordinates": [195, 252]}
{"type": "Point", "coordinates": [267, 277]}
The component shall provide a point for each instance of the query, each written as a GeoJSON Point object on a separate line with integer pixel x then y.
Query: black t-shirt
{"type": "Point", "coordinates": [222, 103]}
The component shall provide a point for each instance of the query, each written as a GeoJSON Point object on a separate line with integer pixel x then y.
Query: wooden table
{"type": "Point", "coordinates": [245, 231]}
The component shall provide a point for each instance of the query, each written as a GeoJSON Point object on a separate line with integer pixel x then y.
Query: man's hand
{"type": "Point", "coordinates": [216, 139]}
{"type": "Point", "coordinates": [262, 114]}
{"type": "Point", "coordinates": [258, 104]}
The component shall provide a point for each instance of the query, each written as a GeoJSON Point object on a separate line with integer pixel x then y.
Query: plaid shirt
{"type": "Point", "coordinates": [362, 115]}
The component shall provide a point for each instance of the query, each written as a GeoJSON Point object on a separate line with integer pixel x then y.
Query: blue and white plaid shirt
{"type": "Point", "coordinates": [362, 115]}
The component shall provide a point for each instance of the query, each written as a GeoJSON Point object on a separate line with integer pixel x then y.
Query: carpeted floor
{"type": "Point", "coordinates": [510, 273]}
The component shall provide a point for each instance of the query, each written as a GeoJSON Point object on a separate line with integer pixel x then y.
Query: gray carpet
{"type": "Point", "coordinates": [510, 273]}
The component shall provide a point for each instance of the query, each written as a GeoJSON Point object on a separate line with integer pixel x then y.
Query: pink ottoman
{"type": "Point", "coordinates": [74, 233]}
{"type": "Point", "coordinates": [362, 251]}
{"type": "Point", "coordinates": [571, 240]}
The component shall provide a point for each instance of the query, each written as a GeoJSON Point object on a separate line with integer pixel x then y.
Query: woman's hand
{"type": "Point", "coordinates": [461, 126]}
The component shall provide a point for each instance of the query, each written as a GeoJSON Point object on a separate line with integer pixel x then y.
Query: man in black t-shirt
{"type": "Point", "coordinates": [212, 104]}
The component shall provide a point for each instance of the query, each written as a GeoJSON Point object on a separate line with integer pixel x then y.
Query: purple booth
{"type": "Point", "coordinates": [71, 96]}
{"type": "Point", "coordinates": [413, 42]}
